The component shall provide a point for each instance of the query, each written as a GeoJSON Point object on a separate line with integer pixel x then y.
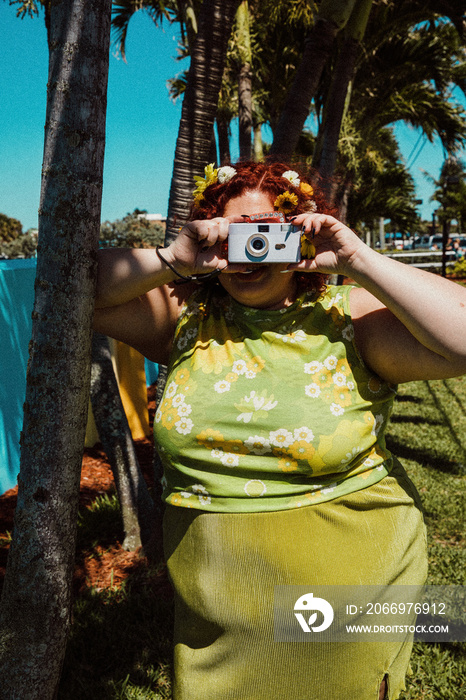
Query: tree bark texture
{"type": "Point", "coordinates": [199, 107]}
{"type": "Point", "coordinates": [325, 156]}
{"type": "Point", "coordinates": [245, 111]}
{"type": "Point", "coordinates": [115, 436]}
{"type": "Point", "coordinates": [317, 48]}
{"type": "Point", "coordinates": [244, 81]}
{"type": "Point", "coordinates": [223, 130]}
{"type": "Point", "coordinates": [36, 601]}
{"type": "Point", "coordinates": [326, 152]}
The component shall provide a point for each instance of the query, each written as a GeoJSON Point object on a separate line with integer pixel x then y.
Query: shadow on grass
{"type": "Point", "coordinates": [121, 641]}
{"type": "Point", "coordinates": [416, 420]}
{"type": "Point", "coordinates": [424, 457]}
{"type": "Point", "coordinates": [407, 398]}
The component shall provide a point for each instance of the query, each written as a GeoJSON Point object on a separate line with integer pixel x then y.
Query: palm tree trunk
{"type": "Point", "coordinates": [258, 145]}
{"type": "Point", "coordinates": [35, 609]}
{"type": "Point", "coordinates": [136, 504]}
{"type": "Point", "coordinates": [244, 81]}
{"type": "Point", "coordinates": [199, 107]}
{"type": "Point", "coordinates": [325, 155]}
{"type": "Point", "coordinates": [223, 130]}
{"type": "Point", "coordinates": [332, 16]}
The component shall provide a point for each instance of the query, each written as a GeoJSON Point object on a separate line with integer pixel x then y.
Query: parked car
{"type": "Point", "coordinates": [456, 243]}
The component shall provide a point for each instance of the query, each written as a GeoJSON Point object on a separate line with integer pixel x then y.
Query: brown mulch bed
{"type": "Point", "coordinates": [103, 566]}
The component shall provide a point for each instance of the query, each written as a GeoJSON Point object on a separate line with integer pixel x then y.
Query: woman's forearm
{"type": "Point", "coordinates": [126, 273]}
{"type": "Point", "coordinates": [432, 308]}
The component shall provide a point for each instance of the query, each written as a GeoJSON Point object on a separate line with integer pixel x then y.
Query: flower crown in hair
{"type": "Point", "coordinates": [288, 201]}
{"type": "Point", "coordinates": [284, 203]}
{"type": "Point", "coordinates": [211, 176]}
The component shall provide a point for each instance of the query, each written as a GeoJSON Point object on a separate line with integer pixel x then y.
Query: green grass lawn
{"type": "Point", "coordinates": [120, 645]}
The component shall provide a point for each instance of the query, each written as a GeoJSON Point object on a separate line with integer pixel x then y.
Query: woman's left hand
{"type": "Point", "coordinates": [336, 246]}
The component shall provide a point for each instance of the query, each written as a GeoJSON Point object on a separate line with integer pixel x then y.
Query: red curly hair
{"type": "Point", "coordinates": [266, 177]}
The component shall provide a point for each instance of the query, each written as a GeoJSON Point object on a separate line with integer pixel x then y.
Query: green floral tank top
{"type": "Point", "coordinates": [268, 410]}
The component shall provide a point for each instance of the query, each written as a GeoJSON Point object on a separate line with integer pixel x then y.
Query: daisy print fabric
{"type": "Point", "coordinates": [268, 410]}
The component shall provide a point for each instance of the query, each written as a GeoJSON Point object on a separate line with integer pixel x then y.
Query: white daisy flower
{"type": "Point", "coordinates": [312, 367]}
{"type": "Point", "coordinates": [312, 390]}
{"type": "Point", "coordinates": [348, 332]}
{"type": "Point", "coordinates": [329, 488]}
{"type": "Point", "coordinates": [331, 362]}
{"type": "Point", "coordinates": [178, 400]}
{"type": "Point", "coordinates": [249, 374]}
{"type": "Point", "coordinates": [229, 459]}
{"type": "Point", "coordinates": [216, 453]}
{"type": "Point", "coordinates": [205, 500]}
{"type": "Point", "coordinates": [199, 488]}
{"type": "Point", "coordinates": [350, 385]}
{"type": "Point", "coordinates": [368, 462]}
{"type": "Point", "coordinates": [305, 434]}
{"type": "Point", "coordinates": [339, 379]}
{"type": "Point", "coordinates": [158, 415]}
{"type": "Point", "coordinates": [239, 367]}
{"type": "Point", "coordinates": [184, 410]}
{"type": "Point", "coordinates": [171, 390]}
{"type": "Point", "coordinates": [222, 386]}
{"type": "Point", "coordinates": [281, 438]}
{"type": "Point", "coordinates": [225, 173]}
{"type": "Point", "coordinates": [292, 176]}
{"type": "Point", "coordinates": [336, 409]}
{"type": "Point", "coordinates": [257, 445]}
{"type": "Point", "coordinates": [184, 426]}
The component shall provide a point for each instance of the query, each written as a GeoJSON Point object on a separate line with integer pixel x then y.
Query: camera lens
{"type": "Point", "coordinates": [257, 245]}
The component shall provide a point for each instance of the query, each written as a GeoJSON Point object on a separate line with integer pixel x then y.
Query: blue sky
{"type": "Point", "coordinates": [142, 122]}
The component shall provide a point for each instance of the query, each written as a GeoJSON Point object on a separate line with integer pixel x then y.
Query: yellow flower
{"type": "Point", "coordinates": [286, 202]}
{"type": "Point", "coordinates": [301, 450]}
{"type": "Point", "coordinates": [287, 464]}
{"type": "Point", "coordinates": [255, 364]}
{"type": "Point", "coordinates": [210, 177]}
{"type": "Point", "coordinates": [211, 439]}
{"type": "Point", "coordinates": [306, 189]}
{"type": "Point", "coordinates": [308, 250]}
{"type": "Point", "coordinates": [169, 418]}
{"type": "Point", "coordinates": [182, 376]}
{"type": "Point", "coordinates": [236, 447]}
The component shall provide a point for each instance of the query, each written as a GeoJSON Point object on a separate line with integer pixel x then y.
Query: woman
{"type": "Point", "coordinates": [271, 430]}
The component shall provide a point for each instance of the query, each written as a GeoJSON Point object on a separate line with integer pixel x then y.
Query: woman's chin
{"type": "Point", "coordinates": [263, 286]}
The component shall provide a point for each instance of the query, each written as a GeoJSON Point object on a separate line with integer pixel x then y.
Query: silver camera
{"type": "Point", "coordinates": [264, 243]}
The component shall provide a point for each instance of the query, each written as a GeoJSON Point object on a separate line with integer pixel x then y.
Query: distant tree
{"type": "Point", "coordinates": [10, 228]}
{"type": "Point", "coordinates": [133, 231]}
{"type": "Point", "coordinates": [35, 609]}
{"type": "Point", "coordinates": [24, 246]}
{"type": "Point", "coordinates": [381, 184]}
{"type": "Point", "coordinates": [450, 192]}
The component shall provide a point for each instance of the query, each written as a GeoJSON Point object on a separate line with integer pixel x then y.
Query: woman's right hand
{"type": "Point", "coordinates": [198, 248]}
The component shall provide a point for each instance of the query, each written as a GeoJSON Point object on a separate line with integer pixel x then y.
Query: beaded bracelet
{"type": "Point", "coordinates": [187, 278]}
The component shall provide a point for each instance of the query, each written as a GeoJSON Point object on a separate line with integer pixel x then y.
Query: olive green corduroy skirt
{"type": "Point", "coordinates": [224, 568]}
